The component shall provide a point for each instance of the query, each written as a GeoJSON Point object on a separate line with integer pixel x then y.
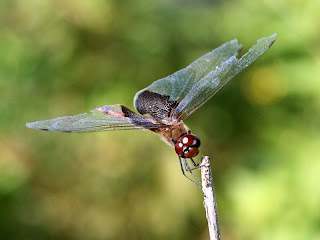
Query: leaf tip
{"type": "Point", "coordinates": [274, 36]}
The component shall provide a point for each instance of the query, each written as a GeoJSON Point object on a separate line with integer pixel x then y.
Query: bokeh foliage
{"type": "Point", "coordinates": [262, 130]}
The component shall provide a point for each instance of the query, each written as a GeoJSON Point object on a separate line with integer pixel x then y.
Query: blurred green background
{"type": "Point", "coordinates": [261, 131]}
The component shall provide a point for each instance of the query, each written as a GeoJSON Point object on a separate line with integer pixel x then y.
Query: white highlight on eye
{"type": "Point", "coordinates": [185, 140]}
{"type": "Point", "coordinates": [194, 142]}
{"type": "Point", "coordinates": [180, 145]}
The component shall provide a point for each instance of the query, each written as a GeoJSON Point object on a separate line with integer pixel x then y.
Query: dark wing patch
{"type": "Point", "coordinates": [155, 104]}
{"type": "Point", "coordinates": [128, 113]}
{"type": "Point", "coordinates": [139, 121]}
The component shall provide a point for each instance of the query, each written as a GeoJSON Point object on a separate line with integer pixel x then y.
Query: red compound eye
{"type": "Point", "coordinates": [187, 146]}
{"type": "Point", "coordinates": [190, 140]}
{"type": "Point", "coordinates": [190, 152]}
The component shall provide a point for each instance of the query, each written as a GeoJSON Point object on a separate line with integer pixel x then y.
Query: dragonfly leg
{"type": "Point", "coordinates": [196, 165]}
{"type": "Point", "coordinates": [188, 169]}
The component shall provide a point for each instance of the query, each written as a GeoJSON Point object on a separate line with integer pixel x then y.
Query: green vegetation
{"type": "Point", "coordinates": [262, 130]}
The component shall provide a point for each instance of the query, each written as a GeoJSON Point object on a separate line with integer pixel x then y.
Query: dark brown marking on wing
{"type": "Point", "coordinates": [157, 105]}
{"type": "Point", "coordinates": [44, 129]}
{"type": "Point", "coordinates": [140, 121]}
{"type": "Point", "coordinates": [128, 113]}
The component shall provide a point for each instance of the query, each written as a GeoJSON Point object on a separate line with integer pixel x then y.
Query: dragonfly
{"type": "Point", "coordinates": [167, 102]}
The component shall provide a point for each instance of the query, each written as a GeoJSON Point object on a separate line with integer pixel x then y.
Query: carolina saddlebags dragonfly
{"type": "Point", "coordinates": [168, 101]}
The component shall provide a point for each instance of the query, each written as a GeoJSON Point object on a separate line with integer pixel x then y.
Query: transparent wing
{"type": "Point", "coordinates": [108, 117]}
{"type": "Point", "coordinates": [215, 79]}
{"type": "Point", "coordinates": [183, 92]}
{"type": "Point", "coordinates": [175, 87]}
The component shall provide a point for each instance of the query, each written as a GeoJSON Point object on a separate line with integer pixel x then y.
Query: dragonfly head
{"type": "Point", "coordinates": [187, 146]}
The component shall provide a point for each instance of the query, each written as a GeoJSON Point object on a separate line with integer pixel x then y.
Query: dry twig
{"type": "Point", "coordinates": [209, 198]}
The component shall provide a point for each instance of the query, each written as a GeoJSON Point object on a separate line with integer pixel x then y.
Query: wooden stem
{"type": "Point", "coordinates": [209, 202]}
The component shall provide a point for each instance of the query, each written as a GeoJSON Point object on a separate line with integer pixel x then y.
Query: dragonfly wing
{"type": "Point", "coordinates": [108, 117]}
{"type": "Point", "coordinates": [215, 79]}
{"type": "Point", "coordinates": [167, 93]}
